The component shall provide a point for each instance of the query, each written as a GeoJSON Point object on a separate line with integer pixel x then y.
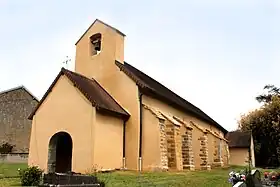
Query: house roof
{"type": "Point", "coordinates": [18, 88]}
{"type": "Point", "coordinates": [153, 88]}
{"type": "Point", "coordinates": [238, 139]}
{"type": "Point", "coordinates": [97, 20]}
{"type": "Point", "coordinates": [93, 91]}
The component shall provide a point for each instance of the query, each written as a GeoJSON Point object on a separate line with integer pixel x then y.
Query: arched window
{"type": "Point", "coordinates": [95, 44]}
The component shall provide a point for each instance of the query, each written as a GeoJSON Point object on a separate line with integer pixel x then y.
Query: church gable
{"type": "Point", "coordinates": [64, 100]}
{"type": "Point", "coordinates": [92, 91]}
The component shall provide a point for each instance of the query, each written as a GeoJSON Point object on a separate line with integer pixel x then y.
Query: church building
{"type": "Point", "coordinates": [107, 114]}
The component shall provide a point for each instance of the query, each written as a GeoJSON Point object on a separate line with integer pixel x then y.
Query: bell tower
{"type": "Point", "coordinates": [96, 52]}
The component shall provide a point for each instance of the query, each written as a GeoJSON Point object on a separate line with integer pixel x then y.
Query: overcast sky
{"type": "Point", "coordinates": [216, 55]}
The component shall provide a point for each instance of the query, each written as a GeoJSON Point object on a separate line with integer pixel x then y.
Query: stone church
{"type": "Point", "coordinates": [107, 114]}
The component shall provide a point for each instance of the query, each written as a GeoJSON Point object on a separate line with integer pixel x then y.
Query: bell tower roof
{"type": "Point", "coordinates": [97, 20]}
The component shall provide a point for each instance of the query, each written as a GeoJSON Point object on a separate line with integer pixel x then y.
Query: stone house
{"type": "Point", "coordinates": [16, 104]}
{"type": "Point", "coordinates": [241, 148]}
{"type": "Point", "coordinates": [107, 114]}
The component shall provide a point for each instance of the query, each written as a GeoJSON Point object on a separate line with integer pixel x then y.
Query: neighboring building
{"type": "Point", "coordinates": [241, 148]}
{"type": "Point", "coordinates": [108, 114]}
{"type": "Point", "coordinates": [16, 104]}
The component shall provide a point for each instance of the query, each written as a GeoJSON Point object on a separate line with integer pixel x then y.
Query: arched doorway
{"type": "Point", "coordinates": [60, 153]}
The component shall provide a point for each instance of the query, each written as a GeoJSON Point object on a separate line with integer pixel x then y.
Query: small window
{"type": "Point", "coordinates": [95, 44]}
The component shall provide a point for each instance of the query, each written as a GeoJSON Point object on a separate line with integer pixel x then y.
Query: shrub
{"type": "Point", "coordinates": [6, 148]}
{"type": "Point", "coordinates": [31, 176]}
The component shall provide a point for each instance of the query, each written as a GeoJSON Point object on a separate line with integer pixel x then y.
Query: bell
{"type": "Point", "coordinates": [97, 45]}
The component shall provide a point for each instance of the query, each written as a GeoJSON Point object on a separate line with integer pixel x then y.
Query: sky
{"type": "Point", "coordinates": [216, 54]}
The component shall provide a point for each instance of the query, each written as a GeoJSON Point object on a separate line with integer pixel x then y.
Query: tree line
{"type": "Point", "coordinates": [264, 123]}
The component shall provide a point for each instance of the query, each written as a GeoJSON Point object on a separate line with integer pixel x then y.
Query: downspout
{"type": "Point", "coordinates": [140, 131]}
{"type": "Point", "coordinates": [124, 161]}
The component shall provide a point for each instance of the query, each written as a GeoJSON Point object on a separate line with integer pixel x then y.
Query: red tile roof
{"type": "Point", "coordinates": [93, 91]}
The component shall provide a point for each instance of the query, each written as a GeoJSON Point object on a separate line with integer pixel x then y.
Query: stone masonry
{"type": "Point", "coordinates": [226, 161]}
{"type": "Point", "coordinates": [178, 148]}
{"type": "Point", "coordinates": [187, 151]}
{"type": "Point", "coordinates": [15, 107]}
{"type": "Point", "coordinates": [204, 152]}
{"type": "Point", "coordinates": [171, 150]}
{"type": "Point", "coordinates": [218, 157]}
{"type": "Point", "coordinates": [163, 145]}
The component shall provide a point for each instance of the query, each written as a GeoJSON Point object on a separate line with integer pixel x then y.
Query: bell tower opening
{"type": "Point", "coordinates": [95, 41]}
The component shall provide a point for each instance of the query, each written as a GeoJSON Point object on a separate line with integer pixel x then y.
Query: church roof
{"type": "Point", "coordinates": [98, 20]}
{"type": "Point", "coordinates": [151, 87]}
{"type": "Point", "coordinates": [93, 91]}
{"type": "Point", "coordinates": [18, 88]}
{"type": "Point", "coordinates": [238, 139]}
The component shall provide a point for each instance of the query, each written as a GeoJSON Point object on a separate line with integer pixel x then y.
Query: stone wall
{"type": "Point", "coordinates": [15, 107]}
{"type": "Point", "coordinates": [218, 157]}
{"type": "Point", "coordinates": [186, 145]}
{"type": "Point", "coordinates": [204, 152]}
{"type": "Point", "coordinates": [211, 150]}
{"type": "Point", "coordinates": [225, 153]}
{"type": "Point", "coordinates": [14, 158]}
{"type": "Point", "coordinates": [178, 147]}
{"type": "Point", "coordinates": [187, 151]}
{"type": "Point", "coordinates": [171, 150]}
{"type": "Point", "coordinates": [163, 145]}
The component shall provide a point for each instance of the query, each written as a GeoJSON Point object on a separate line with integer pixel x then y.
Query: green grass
{"type": "Point", "coordinates": [213, 178]}
{"type": "Point", "coordinates": [10, 170]}
{"type": "Point", "coordinates": [9, 182]}
{"type": "Point", "coordinates": [217, 178]}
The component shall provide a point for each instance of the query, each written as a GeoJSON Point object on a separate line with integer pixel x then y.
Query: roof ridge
{"type": "Point", "coordinates": [75, 73]}
{"type": "Point", "coordinates": [164, 86]}
{"type": "Point", "coordinates": [19, 87]}
{"type": "Point", "coordinates": [12, 89]}
{"type": "Point", "coordinates": [240, 131]}
{"type": "Point", "coordinates": [118, 31]}
{"type": "Point", "coordinates": [159, 90]}
{"type": "Point", "coordinates": [134, 78]}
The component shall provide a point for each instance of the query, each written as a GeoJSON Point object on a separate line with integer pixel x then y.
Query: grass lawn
{"type": "Point", "coordinates": [213, 178]}
{"type": "Point", "coordinates": [10, 170]}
